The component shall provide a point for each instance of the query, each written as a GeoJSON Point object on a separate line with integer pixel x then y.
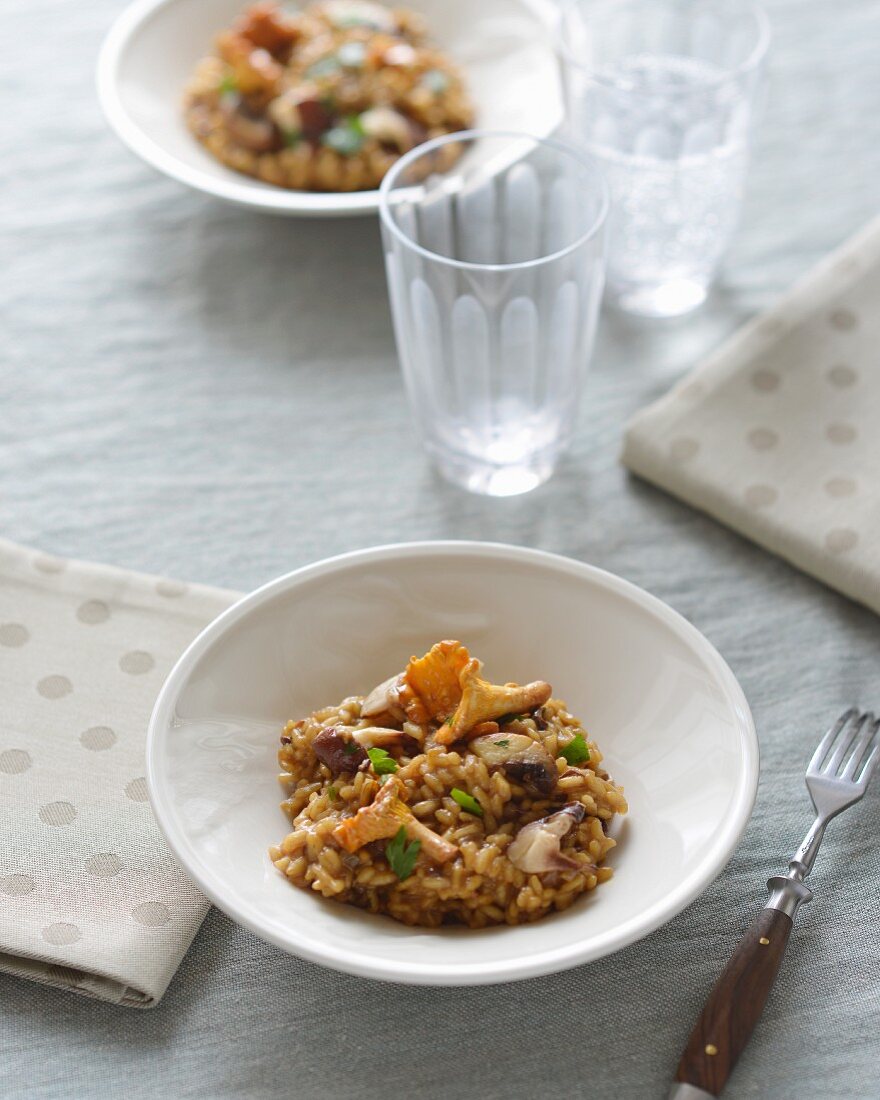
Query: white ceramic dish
{"type": "Point", "coordinates": [152, 49]}
{"type": "Point", "coordinates": [663, 706]}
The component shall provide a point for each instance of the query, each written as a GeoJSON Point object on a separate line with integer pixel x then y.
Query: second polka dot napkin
{"type": "Point", "coordinates": [90, 898]}
{"type": "Point", "coordinates": [778, 433]}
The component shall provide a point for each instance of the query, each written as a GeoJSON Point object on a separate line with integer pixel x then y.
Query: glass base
{"type": "Point", "coordinates": [669, 299]}
{"type": "Point", "coordinates": [487, 479]}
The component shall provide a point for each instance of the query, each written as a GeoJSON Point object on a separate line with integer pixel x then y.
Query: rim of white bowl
{"type": "Point", "coordinates": [246, 192]}
{"type": "Point", "coordinates": [296, 940]}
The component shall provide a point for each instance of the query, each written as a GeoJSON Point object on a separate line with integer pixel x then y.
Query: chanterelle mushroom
{"type": "Point", "coordinates": [383, 818]}
{"type": "Point", "coordinates": [431, 685]}
{"type": "Point", "coordinates": [482, 701]}
{"type": "Point", "coordinates": [535, 848]}
{"type": "Point", "coordinates": [522, 759]}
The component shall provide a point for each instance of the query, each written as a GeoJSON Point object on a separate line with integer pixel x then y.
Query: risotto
{"type": "Point", "coordinates": [326, 99]}
{"type": "Point", "coordinates": [441, 798]}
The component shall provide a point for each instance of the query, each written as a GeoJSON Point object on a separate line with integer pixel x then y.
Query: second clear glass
{"type": "Point", "coordinates": [662, 93]}
{"type": "Point", "coordinates": [494, 251]}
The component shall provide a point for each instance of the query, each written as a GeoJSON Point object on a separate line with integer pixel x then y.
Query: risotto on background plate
{"type": "Point", "coordinates": [326, 99]}
{"type": "Point", "coordinates": [440, 798]}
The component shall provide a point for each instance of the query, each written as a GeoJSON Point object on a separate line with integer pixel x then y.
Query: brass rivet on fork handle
{"type": "Point", "coordinates": [837, 777]}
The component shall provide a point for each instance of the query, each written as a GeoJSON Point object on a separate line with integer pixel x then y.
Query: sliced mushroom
{"type": "Point", "coordinates": [250, 130]}
{"type": "Point", "coordinates": [522, 758]}
{"type": "Point", "coordinates": [301, 111]}
{"type": "Point", "coordinates": [483, 702]}
{"type": "Point", "coordinates": [383, 818]}
{"type": "Point", "coordinates": [342, 756]}
{"type": "Point", "coordinates": [384, 699]}
{"type": "Point", "coordinates": [372, 737]}
{"type": "Point", "coordinates": [535, 848]}
{"type": "Point", "coordinates": [389, 127]}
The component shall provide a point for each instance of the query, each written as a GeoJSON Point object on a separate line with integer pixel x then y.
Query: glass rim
{"type": "Point", "coordinates": [399, 166]}
{"type": "Point", "coordinates": [749, 64]}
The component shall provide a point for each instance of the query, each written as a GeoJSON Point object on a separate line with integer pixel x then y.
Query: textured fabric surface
{"type": "Point", "coordinates": [203, 393]}
{"type": "Point", "coordinates": [776, 434]}
{"type": "Point", "coordinates": [91, 899]}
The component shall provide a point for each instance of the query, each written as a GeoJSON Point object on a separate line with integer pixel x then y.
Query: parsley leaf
{"type": "Point", "coordinates": [351, 748]}
{"type": "Point", "coordinates": [400, 855]}
{"type": "Point", "coordinates": [332, 792]}
{"type": "Point", "coordinates": [227, 85]}
{"type": "Point", "coordinates": [467, 801]}
{"type": "Point", "coordinates": [576, 751]}
{"type": "Point", "coordinates": [345, 137]}
{"type": "Point", "coordinates": [383, 764]}
{"type": "Point", "coordinates": [510, 718]}
{"type": "Point", "coordinates": [503, 742]}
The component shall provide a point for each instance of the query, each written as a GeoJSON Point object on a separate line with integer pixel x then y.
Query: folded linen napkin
{"type": "Point", "coordinates": [90, 897]}
{"type": "Point", "coordinates": [778, 433]}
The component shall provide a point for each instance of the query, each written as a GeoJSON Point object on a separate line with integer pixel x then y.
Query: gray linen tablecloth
{"type": "Point", "coordinates": [195, 391]}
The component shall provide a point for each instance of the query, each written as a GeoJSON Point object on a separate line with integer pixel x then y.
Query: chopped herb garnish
{"type": "Point", "coordinates": [402, 855]}
{"type": "Point", "coordinates": [332, 793]}
{"type": "Point", "coordinates": [467, 801]}
{"type": "Point", "coordinates": [510, 718]}
{"type": "Point", "coordinates": [351, 748]}
{"type": "Point", "coordinates": [503, 742]}
{"type": "Point", "coordinates": [435, 81]}
{"type": "Point", "coordinates": [383, 764]}
{"type": "Point", "coordinates": [325, 66]}
{"type": "Point", "coordinates": [346, 137]}
{"type": "Point", "coordinates": [292, 138]}
{"type": "Point", "coordinates": [227, 85]}
{"type": "Point", "coordinates": [576, 751]}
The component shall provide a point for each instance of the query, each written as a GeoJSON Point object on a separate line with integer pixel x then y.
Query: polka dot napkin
{"type": "Point", "coordinates": [778, 433]}
{"type": "Point", "coordinates": [90, 898]}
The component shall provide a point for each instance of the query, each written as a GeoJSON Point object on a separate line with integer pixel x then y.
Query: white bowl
{"type": "Point", "coordinates": [662, 705]}
{"type": "Point", "coordinates": [152, 49]}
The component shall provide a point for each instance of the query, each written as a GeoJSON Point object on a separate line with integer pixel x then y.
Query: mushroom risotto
{"type": "Point", "coordinates": [326, 99]}
{"type": "Point", "coordinates": [441, 798]}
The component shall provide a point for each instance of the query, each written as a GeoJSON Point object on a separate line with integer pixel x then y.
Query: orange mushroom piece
{"type": "Point", "coordinates": [383, 818]}
{"type": "Point", "coordinates": [431, 685]}
{"type": "Point", "coordinates": [484, 702]}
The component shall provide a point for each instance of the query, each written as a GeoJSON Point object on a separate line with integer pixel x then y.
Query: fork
{"type": "Point", "coordinates": [837, 777]}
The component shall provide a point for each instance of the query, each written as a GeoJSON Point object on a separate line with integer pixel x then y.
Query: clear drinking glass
{"type": "Point", "coordinates": [662, 93]}
{"type": "Point", "coordinates": [494, 251]}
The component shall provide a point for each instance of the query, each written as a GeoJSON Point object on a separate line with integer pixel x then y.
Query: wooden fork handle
{"type": "Point", "coordinates": [734, 1006]}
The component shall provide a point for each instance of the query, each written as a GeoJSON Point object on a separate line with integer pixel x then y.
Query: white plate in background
{"type": "Point", "coordinates": [664, 708]}
{"type": "Point", "coordinates": [503, 47]}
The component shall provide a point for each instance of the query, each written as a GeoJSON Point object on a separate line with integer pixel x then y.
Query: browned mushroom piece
{"type": "Point", "coordinates": [536, 847]}
{"type": "Point", "coordinates": [342, 757]}
{"type": "Point", "coordinates": [246, 127]}
{"type": "Point", "coordinates": [256, 71]}
{"type": "Point", "coordinates": [522, 758]}
{"type": "Point", "coordinates": [267, 27]}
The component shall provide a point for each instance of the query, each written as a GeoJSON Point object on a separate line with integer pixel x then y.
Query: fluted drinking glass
{"type": "Point", "coordinates": [495, 272]}
{"type": "Point", "coordinates": [663, 94]}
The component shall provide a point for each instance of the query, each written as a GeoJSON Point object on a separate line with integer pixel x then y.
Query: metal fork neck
{"type": "Point", "coordinates": [788, 892]}
{"type": "Point", "coordinates": [805, 856]}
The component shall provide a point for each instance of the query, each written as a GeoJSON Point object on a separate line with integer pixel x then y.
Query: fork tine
{"type": "Point", "coordinates": [844, 743]}
{"type": "Point", "coordinates": [829, 739]}
{"type": "Point", "coordinates": [869, 766]}
{"type": "Point", "coordinates": [863, 742]}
